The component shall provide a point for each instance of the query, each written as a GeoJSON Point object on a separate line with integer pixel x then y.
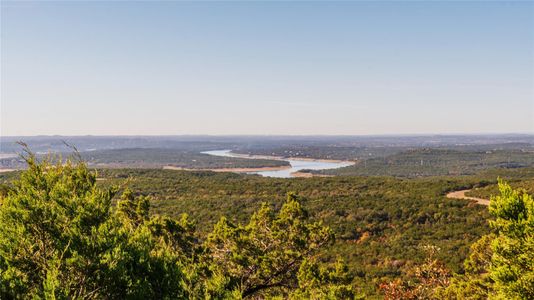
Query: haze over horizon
{"type": "Point", "coordinates": [236, 68]}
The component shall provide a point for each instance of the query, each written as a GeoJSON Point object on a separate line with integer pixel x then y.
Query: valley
{"type": "Point", "coordinates": [382, 221]}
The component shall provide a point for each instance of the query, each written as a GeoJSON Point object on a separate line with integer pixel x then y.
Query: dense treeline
{"type": "Point", "coordinates": [157, 158]}
{"type": "Point", "coordinates": [369, 150]}
{"type": "Point", "coordinates": [143, 157]}
{"type": "Point", "coordinates": [325, 151]}
{"type": "Point", "coordinates": [411, 162]}
{"type": "Point", "coordinates": [438, 162]}
{"type": "Point", "coordinates": [522, 179]}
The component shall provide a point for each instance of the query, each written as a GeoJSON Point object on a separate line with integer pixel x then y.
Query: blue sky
{"type": "Point", "coordinates": [76, 68]}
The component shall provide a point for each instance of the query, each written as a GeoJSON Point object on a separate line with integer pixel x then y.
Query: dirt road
{"type": "Point", "coordinates": [461, 195]}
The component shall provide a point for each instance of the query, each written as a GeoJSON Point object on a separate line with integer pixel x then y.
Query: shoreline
{"type": "Point", "coordinates": [299, 174]}
{"type": "Point", "coordinates": [7, 170]}
{"type": "Point", "coordinates": [233, 170]}
{"type": "Point", "coordinates": [252, 156]}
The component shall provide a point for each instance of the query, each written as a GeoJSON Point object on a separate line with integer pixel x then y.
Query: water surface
{"type": "Point", "coordinates": [296, 164]}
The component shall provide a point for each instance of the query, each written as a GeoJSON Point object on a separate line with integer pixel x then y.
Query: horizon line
{"type": "Point", "coordinates": [275, 135]}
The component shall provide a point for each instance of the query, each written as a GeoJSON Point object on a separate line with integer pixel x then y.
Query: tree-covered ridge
{"type": "Point", "coordinates": [159, 157]}
{"type": "Point", "coordinates": [438, 162]}
{"type": "Point", "coordinates": [62, 237]}
{"type": "Point", "coordinates": [156, 158]}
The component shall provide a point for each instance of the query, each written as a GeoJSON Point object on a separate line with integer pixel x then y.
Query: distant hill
{"type": "Point", "coordinates": [436, 162]}
{"type": "Point", "coordinates": [155, 158]}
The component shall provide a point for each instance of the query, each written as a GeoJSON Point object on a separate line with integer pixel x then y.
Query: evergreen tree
{"type": "Point", "coordinates": [273, 254]}
{"type": "Point", "coordinates": [512, 263]}
{"type": "Point", "coordinates": [61, 238]}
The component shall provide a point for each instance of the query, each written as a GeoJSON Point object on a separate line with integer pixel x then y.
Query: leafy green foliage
{"type": "Point", "coordinates": [512, 266]}
{"type": "Point", "coordinates": [476, 282]}
{"type": "Point", "coordinates": [62, 239]}
{"type": "Point", "coordinates": [321, 282]}
{"type": "Point", "coordinates": [268, 252]}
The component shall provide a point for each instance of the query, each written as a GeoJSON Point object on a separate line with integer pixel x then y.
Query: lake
{"type": "Point", "coordinates": [296, 164]}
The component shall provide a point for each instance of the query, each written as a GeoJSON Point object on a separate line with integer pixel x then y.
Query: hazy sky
{"type": "Point", "coordinates": [77, 68]}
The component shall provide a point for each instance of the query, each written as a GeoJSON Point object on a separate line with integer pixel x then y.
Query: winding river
{"type": "Point", "coordinates": [296, 164]}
